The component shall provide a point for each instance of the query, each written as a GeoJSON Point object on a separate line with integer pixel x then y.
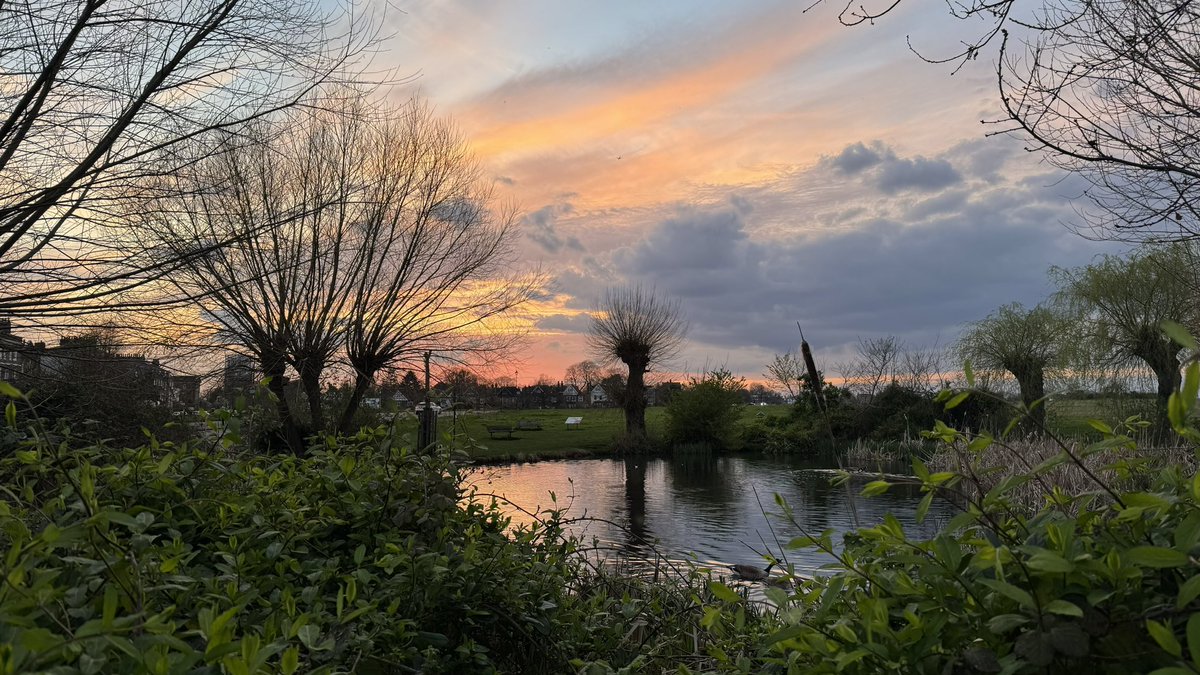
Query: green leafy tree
{"type": "Point", "coordinates": [1123, 302]}
{"type": "Point", "coordinates": [1023, 342]}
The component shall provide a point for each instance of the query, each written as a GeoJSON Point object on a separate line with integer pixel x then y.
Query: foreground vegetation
{"type": "Point", "coordinates": [364, 557]}
{"type": "Point", "coordinates": [360, 557]}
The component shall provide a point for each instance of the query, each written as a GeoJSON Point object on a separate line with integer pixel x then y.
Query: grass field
{"type": "Point", "coordinates": [602, 427]}
{"type": "Point", "coordinates": [597, 435]}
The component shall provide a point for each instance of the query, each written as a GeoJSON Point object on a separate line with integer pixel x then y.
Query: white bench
{"type": "Point", "coordinates": [573, 422]}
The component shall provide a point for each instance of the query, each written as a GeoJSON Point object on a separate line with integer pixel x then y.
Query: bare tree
{"type": "Point", "coordinates": [921, 368]}
{"type": "Point", "coordinates": [369, 242]}
{"type": "Point", "coordinates": [437, 257]}
{"type": "Point", "coordinates": [100, 97]}
{"type": "Point", "coordinates": [583, 374]}
{"type": "Point", "coordinates": [1124, 302]}
{"type": "Point", "coordinates": [641, 329]}
{"type": "Point", "coordinates": [786, 370]}
{"type": "Point", "coordinates": [1023, 342]}
{"type": "Point", "coordinates": [876, 365]}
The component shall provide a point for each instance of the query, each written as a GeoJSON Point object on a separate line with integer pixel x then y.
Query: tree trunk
{"type": "Point", "coordinates": [1163, 358]}
{"type": "Point", "coordinates": [362, 382]}
{"type": "Point", "coordinates": [1033, 388]}
{"type": "Point", "coordinates": [291, 431]}
{"type": "Point", "coordinates": [635, 404]}
{"type": "Point", "coordinates": [1167, 372]}
{"type": "Point", "coordinates": [310, 378]}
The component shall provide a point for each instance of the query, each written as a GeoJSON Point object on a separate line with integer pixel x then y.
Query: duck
{"type": "Point", "coordinates": [751, 572]}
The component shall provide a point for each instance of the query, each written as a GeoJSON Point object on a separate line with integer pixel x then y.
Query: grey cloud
{"type": "Point", "coordinates": [857, 157]}
{"type": "Point", "coordinates": [919, 274]}
{"type": "Point", "coordinates": [917, 173]}
{"type": "Point", "coordinates": [543, 228]}
{"type": "Point", "coordinates": [565, 323]}
{"type": "Point", "coordinates": [880, 166]}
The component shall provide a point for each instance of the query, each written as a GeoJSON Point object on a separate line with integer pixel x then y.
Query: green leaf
{"type": "Point", "coordinates": [923, 507]}
{"type": "Point", "coordinates": [1003, 623]}
{"type": "Point", "coordinates": [1188, 592]}
{"type": "Point", "coordinates": [1193, 637]}
{"type": "Point", "coordinates": [1177, 411]}
{"type": "Point", "coordinates": [1006, 589]}
{"type": "Point", "coordinates": [968, 373]}
{"type": "Point", "coordinates": [957, 400]}
{"type": "Point", "coordinates": [1191, 384]}
{"type": "Point", "coordinates": [875, 487]}
{"type": "Point", "coordinates": [1180, 335]}
{"type": "Point", "coordinates": [8, 390]}
{"type": "Point", "coordinates": [290, 661]}
{"type": "Point", "coordinates": [1064, 608]}
{"type": "Point", "coordinates": [1156, 556]}
{"type": "Point", "coordinates": [1049, 561]}
{"type": "Point", "coordinates": [10, 415]}
{"type": "Point", "coordinates": [308, 635]}
{"type": "Point", "coordinates": [1101, 427]}
{"type": "Point", "coordinates": [724, 593]}
{"type": "Point", "coordinates": [1164, 637]}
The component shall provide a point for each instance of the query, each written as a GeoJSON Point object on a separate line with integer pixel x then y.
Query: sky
{"type": "Point", "coordinates": [761, 163]}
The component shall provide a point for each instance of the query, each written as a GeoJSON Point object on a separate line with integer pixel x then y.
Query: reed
{"type": "Point", "coordinates": [1120, 469]}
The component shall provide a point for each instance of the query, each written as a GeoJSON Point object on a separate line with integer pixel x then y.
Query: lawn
{"type": "Point", "coordinates": [597, 434]}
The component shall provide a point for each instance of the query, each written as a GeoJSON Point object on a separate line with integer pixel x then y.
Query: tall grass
{"type": "Point", "coordinates": [1121, 468]}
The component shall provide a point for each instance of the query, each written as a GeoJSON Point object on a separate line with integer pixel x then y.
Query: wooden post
{"type": "Point", "coordinates": [427, 430]}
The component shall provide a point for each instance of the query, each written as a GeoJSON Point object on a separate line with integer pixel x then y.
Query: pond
{"type": "Point", "coordinates": [714, 510]}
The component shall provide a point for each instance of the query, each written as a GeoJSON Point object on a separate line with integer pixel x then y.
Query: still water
{"type": "Point", "coordinates": [714, 510]}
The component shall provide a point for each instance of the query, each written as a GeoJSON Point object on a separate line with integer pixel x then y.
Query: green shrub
{"type": "Point", "coordinates": [705, 413]}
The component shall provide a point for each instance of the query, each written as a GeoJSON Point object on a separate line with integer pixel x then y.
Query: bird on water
{"type": "Point", "coordinates": [751, 572]}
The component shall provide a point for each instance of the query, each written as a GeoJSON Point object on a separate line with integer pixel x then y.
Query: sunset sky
{"type": "Point", "coordinates": [763, 164]}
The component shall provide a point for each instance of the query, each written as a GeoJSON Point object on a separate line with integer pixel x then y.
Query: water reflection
{"type": "Point", "coordinates": [713, 509]}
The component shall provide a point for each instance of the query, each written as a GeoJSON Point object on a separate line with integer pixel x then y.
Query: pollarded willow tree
{"type": "Point", "coordinates": [1123, 302]}
{"type": "Point", "coordinates": [100, 98]}
{"type": "Point", "coordinates": [641, 329]}
{"type": "Point", "coordinates": [1020, 341]}
{"type": "Point", "coordinates": [371, 239]}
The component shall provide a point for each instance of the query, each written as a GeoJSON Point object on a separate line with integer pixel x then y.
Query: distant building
{"type": "Point", "coordinates": [597, 397]}
{"type": "Point", "coordinates": [12, 350]}
{"type": "Point", "coordinates": [184, 391]}
{"type": "Point", "coordinates": [240, 375]}
{"type": "Point", "coordinates": [508, 397]}
{"type": "Point", "coordinates": [571, 396]}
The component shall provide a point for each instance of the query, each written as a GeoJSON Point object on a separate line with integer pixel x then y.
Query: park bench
{"type": "Point", "coordinates": [529, 425]}
{"type": "Point", "coordinates": [574, 422]}
{"type": "Point", "coordinates": [494, 429]}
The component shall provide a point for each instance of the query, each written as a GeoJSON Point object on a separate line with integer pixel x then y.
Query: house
{"type": "Point", "coordinates": [508, 397]}
{"type": "Point", "coordinates": [538, 396]}
{"type": "Point", "coordinates": [597, 397]}
{"type": "Point", "coordinates": [571, 397]}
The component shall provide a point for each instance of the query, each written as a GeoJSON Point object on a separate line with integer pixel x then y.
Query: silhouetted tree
{"type": "Point", "coordinates": [642, 330]}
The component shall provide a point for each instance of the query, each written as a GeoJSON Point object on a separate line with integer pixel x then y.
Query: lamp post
{"type": "Point", "coordinates": [427, 429]}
